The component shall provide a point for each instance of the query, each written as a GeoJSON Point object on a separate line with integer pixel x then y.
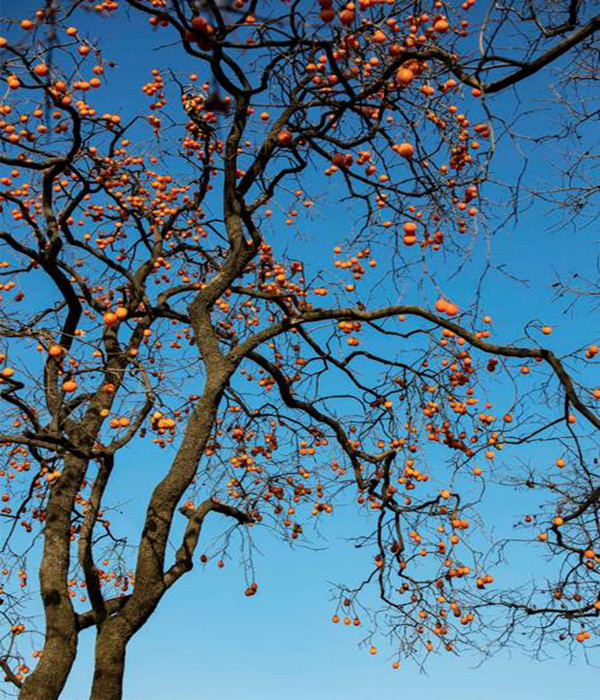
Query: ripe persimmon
{"type": "Point", "coordinates": [41, 70]}
{"type": "Point", "coordinates": [110, 318]}
{"type": "Point", "coordinates": [284, 137]}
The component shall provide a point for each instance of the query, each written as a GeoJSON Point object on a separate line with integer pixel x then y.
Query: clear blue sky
{"type": "Point", "coordinates": [209, 642]}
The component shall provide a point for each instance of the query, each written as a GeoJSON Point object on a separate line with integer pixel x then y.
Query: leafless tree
{"type": "Point", "coordinates": [147, 296]}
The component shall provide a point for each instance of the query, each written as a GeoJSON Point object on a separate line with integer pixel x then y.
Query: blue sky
{"type": "Point", "coordinates": [209, 642]}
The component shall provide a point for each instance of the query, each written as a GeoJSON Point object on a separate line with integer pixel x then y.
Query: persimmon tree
{"type": "Point", "coordinates": [158, 288]}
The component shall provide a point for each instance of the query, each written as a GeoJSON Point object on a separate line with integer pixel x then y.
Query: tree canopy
{"type": "Point", "coordinates": [273, 263]}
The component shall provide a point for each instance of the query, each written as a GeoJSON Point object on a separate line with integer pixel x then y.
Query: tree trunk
{"type": "Point", "coordinates": [52, 671]}
{"type": "Point", "coordinates": [60, 643]}
{"type": "Point", "coordinates": [109, 668]}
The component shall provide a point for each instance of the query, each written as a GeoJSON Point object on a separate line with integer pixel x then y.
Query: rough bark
{"type": "Point", "coordinates": [109, 668]}
{"type": "Point", "coordinates": [60, 645]}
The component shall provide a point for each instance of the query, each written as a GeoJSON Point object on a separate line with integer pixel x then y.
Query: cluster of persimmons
{"type": "Point", "coordinates": [141, 244]}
